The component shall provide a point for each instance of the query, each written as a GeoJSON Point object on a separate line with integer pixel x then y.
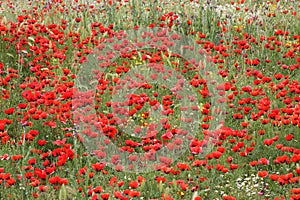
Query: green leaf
{"type": "Point", "coordinates": [10, 55]}
{"type": "Point", "coordinates": [62, 193]}
{"type": "Point", "coordinates": [31, 38]}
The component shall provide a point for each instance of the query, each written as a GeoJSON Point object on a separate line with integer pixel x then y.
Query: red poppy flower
{"type": "Point", "coordinates": [233, 166]}
{"type": "Point", "coordinates": [274, 177]}
{"type": "Point", "coordinates": [16, 157]}
{"type": "Point", "coordinates": [228, 198]}
{"type": "Point", "coordinates": [9, 111]}
{"type": "Point", "coordinates": [60, 142]}
{"type": "Point", "coordinates": [160, 179]}
{"type": "Point", "coordinates": [32, 161]}
{"type": "Point", "coordinates": [10, 182]}
{"type": "Point", "coordinates": [253, 163]}
{"type": "Point", "coordinates": [63, 181]}
{"type": "Point", "coordinates": [98, 166]}
{"type": "Point", "coordinates": [289, 137]}
{"type": "Point", "coordinates": [78, 19]}
{"type": "Point", "coordinates": [133, 184]}
{"type": "Point", "coordinates": [183, 166]}
{"type": "Point", "coordinates": [262, 174]}
{"type": "Point", "coordinates": [263, 161]}
{"type": "Point", "coordinates": [54, 180]}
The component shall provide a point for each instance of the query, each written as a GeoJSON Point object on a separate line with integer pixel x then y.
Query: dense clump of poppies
{"type": "Point", "coordinates": [253, 51]}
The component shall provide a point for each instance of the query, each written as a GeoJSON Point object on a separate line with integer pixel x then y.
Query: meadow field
{"type": "Point", "coordinates": [150, 99]}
